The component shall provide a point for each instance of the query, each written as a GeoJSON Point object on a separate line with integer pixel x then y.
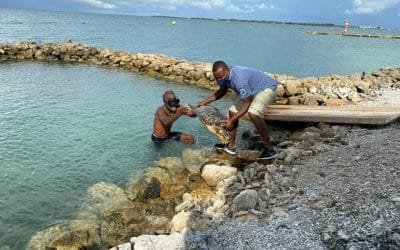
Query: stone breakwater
{"type": "Point", "coordinates": [327, 90]}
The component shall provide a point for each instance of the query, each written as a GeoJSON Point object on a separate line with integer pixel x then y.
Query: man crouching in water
{"type": "Point", "coordinates": [166, 115]}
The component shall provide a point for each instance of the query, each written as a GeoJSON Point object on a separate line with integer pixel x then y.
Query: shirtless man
{"type": "Point", "coordinates": [166, 115]}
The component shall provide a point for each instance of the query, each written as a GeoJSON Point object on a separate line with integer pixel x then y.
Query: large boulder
{"type": "Point", "coordinates": [75, 235]}
{"type": "Point", "coordinates": [193, 160]}
{"type": "Point", "coordinates": [186, 220]}
{"type": "Point", "coordinates": [103, 199]}
{"type": "Point", "coordinates": [175, 241]}
{"type": "Point", "coordinates": [147, 188]}
{"type": "Point", "coordinates": [213, 173]}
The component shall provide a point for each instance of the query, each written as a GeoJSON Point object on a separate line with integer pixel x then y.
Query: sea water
{"type": "Point", "coordinates": [65, 127]}
{"type": "Point", "coordinates": [276, 48]}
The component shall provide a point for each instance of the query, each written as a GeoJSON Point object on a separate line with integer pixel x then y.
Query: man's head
{"type": "Point", "coordinates": [220, 71]}
{"type": "Point", "coordinates": [170, 100]}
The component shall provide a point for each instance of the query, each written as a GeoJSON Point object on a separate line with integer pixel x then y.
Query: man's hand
{"type": "Point", "coordinates": [189, 111]}
{"type": "Point", "coordinates": [201, 103]}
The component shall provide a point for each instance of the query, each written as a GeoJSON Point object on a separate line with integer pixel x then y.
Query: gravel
{"type": "Point", "coordinates": [351, 200]}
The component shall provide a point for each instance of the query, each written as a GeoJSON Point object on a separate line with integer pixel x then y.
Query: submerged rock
{"type": "Point", "coordinates": [148, 188]}
{"type": "Point", "coordinates": [74, 235]}
{"type": "Point", "coordinates": [103, 199]}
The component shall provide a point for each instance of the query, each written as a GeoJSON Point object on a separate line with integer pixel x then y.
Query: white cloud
{"type": "Point", "coordinates": [248, 8]}
{"type": "Point", "coordinates": [263, 6]}
{"type": "Point", "coordinates": [173, 4]}
{"type": "Point", "coordinates": [372, 6]}
{"type": "Point", "coordinates": [243, 6]}
{"type": "Point", "coordinates": [98, 4]}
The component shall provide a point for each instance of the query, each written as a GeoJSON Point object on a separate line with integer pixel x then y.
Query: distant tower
{"type": "Point", "coordinates": [346, 26]}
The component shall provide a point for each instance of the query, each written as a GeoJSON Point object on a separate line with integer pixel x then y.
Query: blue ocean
{"type": "Point", "coordinates": [65, 127]}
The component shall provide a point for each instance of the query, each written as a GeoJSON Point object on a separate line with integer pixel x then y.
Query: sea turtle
{"type": "Point", "coordinates": [212, 119]}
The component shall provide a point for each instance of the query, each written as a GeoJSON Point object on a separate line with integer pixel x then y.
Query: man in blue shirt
{"type": "Point", "coordinates": [256, 91]}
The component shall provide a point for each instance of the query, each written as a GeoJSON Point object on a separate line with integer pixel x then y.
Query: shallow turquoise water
{"type": "Point", "coordinates": [66, 127]}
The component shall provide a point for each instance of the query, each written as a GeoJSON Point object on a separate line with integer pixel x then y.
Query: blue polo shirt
{"type": "Point", "coordinates": [248, 81]}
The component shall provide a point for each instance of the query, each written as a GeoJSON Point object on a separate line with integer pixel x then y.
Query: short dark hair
{"type": "Point", "coordinates": [219, 64]}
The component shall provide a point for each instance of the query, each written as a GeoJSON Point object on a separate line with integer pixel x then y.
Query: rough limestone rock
{"type": "Point", "coordinates": [175, 241]}
{"type": "Point", "coordinates": [213, 173]}
{"type": "Point", "coordinates": [103, 199]}
{"type": "Point", "coordinates": [148, 188]}
{"type": "Point", "coordinates": [293, 87]}
{"type": "Point", "coordinates": [186, 220]}
{"type": "Point", "coordinates": [180, 221]}
{"type": "Point", "coordinates": [245, 200]}
{"type": "Point", "coordinates": [77, 234]}
{"type": "Point", "coordinates": [193, 160]}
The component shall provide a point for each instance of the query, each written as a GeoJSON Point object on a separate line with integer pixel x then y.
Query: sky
{"type": "Point", "coordinates": [383, 13]}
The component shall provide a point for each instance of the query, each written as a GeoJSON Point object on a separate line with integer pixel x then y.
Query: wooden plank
{"type": "Point", "coordinates": [330, 114]}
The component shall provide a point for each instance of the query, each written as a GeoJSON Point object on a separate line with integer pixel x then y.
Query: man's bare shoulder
{"type": "Point", "coordinates": [160, 110]}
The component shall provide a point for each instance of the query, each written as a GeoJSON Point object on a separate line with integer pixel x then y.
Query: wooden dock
{"type": "Point", "coordinates": [353, 35]}
{"type": "Point", "coordinates": [333, 114]}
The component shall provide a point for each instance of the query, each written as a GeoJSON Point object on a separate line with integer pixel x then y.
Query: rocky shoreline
{"type": "Point", "coordinates": [331, 187]}
{"type": "Point", "coordinates": [326, 90]}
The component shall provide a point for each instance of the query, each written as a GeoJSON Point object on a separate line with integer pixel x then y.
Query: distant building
{"type": "Point", "coordinates": [346, 26]}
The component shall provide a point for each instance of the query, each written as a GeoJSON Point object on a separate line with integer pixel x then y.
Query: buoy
{"type": "Point", "coordinates": [173, 22]}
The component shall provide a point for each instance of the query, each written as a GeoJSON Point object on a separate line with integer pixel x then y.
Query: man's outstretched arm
{"type": "Point", "coordinates": [216, 96]}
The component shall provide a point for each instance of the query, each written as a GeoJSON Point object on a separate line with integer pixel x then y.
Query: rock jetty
{"type": "Point", "coordinates": [327, 90]}
{"type": "Point", "coordinates": [353, 34]}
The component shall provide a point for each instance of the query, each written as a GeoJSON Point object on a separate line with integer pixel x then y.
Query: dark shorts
{"type": "Point", "coordinates": [172, 136]}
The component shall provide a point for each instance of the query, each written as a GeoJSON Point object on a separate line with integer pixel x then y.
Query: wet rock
{"type": "Point", "coordinates": [193, 160]}
{"type": "Point", "coordinates": [135, 213]}
{"type": "Point", "coordinates": [161, 206]}
{"type": "Point", "coordinates": [144, 189]}
{"type": "Point", "coordinates": [173, 177]}
{"type": "Point", "coordinates": [75, 235]}
{"type": "Point", "coordinates": [103, 199]}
